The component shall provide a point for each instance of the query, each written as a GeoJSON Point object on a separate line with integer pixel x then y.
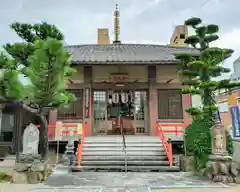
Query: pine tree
{"type": "Point", "coordinates": [29, 33]}
{"type": "Point", "coordinates": [10, 86]}
{"type": "Point", "coordinates": [198, 72]}
{"type": "Point", "coordinates": [46, 64]}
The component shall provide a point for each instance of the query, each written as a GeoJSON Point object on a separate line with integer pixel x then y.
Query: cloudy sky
{"type": "Point", "coordinates": [142, 21]}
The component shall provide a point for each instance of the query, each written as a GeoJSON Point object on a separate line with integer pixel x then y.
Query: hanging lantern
{"type": "Point", "coordinates": [124, 97]}
{"type": "Point", "coordinates": [115, 98]}
{"type": "Point", "coordinates": [110, 93]}
{"type": "Point", "coordinates": [110, 101]}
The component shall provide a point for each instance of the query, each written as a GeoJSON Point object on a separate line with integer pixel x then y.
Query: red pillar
{"type": "Point", "coordinates": [52, 118]}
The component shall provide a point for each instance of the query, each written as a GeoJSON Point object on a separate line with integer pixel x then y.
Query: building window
{"type": "Point", "coordinates": [182, 36]}
{"type": "Point", "coordinates": [170, 104]}
{"type": "Point", "coordinates": [7, 125]}
{"type": "Point", "coordinates": [238, 100]}
{"type": "Point", "coordinates": [75, 109]}
{"type": "Point", "coordinates": [223, 106]}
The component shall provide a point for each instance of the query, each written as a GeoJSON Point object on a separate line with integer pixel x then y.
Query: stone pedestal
{"type": "Point", "coordinates": [220, 167]}
{"type": "Point", "coordinates": [30, 170]}
{"type": "Point", "coordinates": [69, 157]}
{"type": "Point", "coordinates": [187, 163]}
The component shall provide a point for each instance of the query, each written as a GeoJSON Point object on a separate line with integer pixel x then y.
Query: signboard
{"type": "Point", "coordinates": [119, 77]}
{"type": "Point", "coordinates": [235, 113]}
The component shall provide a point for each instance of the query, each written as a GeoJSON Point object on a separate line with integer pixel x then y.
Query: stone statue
{"type": "Point", "coordinates": [30, 140]}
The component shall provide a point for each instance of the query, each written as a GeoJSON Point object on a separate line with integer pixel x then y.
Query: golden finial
{"type": "Point", "coordinates": [116, 25]}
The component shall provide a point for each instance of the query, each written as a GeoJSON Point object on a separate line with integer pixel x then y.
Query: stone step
{"type": "Point", "coordinates": [129, 163]}
{"type": "Point", "coordinates": [129, 144]}
{"type": "Point", "coordinates": [140, 168]}
{"type": "Point", "coordinates": [137, 149]}
{"type": "Point", "coordinates": [118, 139]}
{"type": "Point", "coordinates": [129, 153]}
{"type": "Point", "coordinates": [122, 158]}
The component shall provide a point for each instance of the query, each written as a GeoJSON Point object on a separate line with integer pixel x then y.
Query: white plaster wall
{"type": "Point", "coordinates": [166, 73]}
{"type": "Point", "coordinates": [78, 77]}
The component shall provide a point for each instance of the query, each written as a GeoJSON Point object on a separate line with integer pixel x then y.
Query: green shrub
{"type": "Point", "coordinates": [198, 142]}
{"type": "Point", "coordinates": [5, 177]}
{"type": "Point", "coordinates": [229, 143]}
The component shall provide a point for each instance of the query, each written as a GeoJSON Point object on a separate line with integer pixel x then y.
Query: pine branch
{"type": "Point", "coordinates": [188, 73]}
{"type": "Point", "coordinates": [191, 91]}
{"type": "Point", "coordinates": [193, 111]}
{"type": "Point", "coordinates": [197, 72]}
{"type": "Point", "coordinates": [190, 82]}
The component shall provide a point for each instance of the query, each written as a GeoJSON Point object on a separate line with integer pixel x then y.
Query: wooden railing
{"type": "Point", "coordinates": [81, 143]}
{"type": "Point", "coordinates": [167, 145]}
{"type": "Point", "coordinates": [52, 127]}
{"type": "Point", "coordinates": [165, 141]}
{"type": "Point", "coordinates": [84, 132]}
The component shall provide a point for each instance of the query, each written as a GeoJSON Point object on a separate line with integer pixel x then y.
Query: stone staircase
{"type": "Point", "coordinates": [105, 153]}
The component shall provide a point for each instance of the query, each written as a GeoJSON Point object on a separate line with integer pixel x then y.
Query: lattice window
{"type": "Point", "coordinates": [170, 104]}
{"type": "Point", "coordinates": [75, 109]}
{"type": "Point", "coordinates": [140, 104]}
{"type": "Point", "coordinates": [140, 129]}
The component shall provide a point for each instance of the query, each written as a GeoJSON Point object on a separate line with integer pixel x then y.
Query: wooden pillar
{"type": "Point", "coordinates": [152, 99]}
{"type": "Point", "coordinates": [87, 98]}
{"type": "Point", "coordinates": [18, 132]}
{"type": "Point", "coordinates": [52, 118]}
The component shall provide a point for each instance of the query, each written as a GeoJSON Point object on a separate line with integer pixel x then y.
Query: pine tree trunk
{"type": "Point", "coordinates": [43, 136]}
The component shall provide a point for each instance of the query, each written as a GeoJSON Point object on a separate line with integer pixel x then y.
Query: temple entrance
{"type": "Point", "coordinates": [110, 106]}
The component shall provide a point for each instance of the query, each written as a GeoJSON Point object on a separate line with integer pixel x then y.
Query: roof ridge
{"type": "Point", "coordinates": [128, 44]}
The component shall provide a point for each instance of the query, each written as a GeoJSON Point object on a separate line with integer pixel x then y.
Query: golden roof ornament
{"type": "Point", "coordinates": [116, 25]}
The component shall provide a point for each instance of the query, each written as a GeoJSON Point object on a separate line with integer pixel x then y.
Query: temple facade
{"type": "Point", "coordinates": [138, 82]}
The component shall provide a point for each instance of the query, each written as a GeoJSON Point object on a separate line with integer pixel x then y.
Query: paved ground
{"type": "Point", "coordinates": [41, 188]}
{"type": "Point", "coordinates": [63, 181]}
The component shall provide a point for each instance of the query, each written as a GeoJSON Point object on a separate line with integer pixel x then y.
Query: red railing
{"type": "Point", "coordinates": [167, 145]}
{"type": "Point", "coordinates": [52, 127]}
{"type": "Point", "coordinates": [80, 145]}
{"type": "Point", "coordinates": [51, 131]}
{"type": "Point", "coordinates": [176, 125]}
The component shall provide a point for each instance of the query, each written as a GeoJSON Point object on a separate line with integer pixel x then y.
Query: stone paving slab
{"type": "Point", "coordinates": [128, 182]}
{"type": "Point", "coordinates": [63, 181]}
{"type": "Point", "coordinates": [8, 187]}
{"type": "Point", "coordinates": [67, 189]}
{"type": "Point", "coordinates": [118, 179]}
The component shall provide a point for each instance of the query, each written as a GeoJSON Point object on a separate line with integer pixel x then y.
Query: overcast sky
{"type": "Point", "coordinates": [142, 21]}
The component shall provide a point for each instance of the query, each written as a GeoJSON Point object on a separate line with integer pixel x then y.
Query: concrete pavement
{"type": "Point", "coordinates": [63, 181]}
{"type": "Point", "coordinates": [8, 187]}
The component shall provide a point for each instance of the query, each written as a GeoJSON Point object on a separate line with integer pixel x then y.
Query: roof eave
{"type": "Point", "coordinates": [169, 62]}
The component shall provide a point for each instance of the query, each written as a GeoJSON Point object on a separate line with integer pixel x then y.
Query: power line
{"type": "Point", "coordinates": [204, 3]}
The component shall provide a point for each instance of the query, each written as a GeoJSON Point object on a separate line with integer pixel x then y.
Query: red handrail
{"type": "Point", "coordinates": [51, 128]}
{"type": "Point", "coordinates": [167, 146]}
{"type": "Point", "coordinates": [80, 145]}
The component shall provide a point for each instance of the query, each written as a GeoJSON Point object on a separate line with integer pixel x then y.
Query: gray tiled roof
{"type": "Point", "coordinates": [125, 53]}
